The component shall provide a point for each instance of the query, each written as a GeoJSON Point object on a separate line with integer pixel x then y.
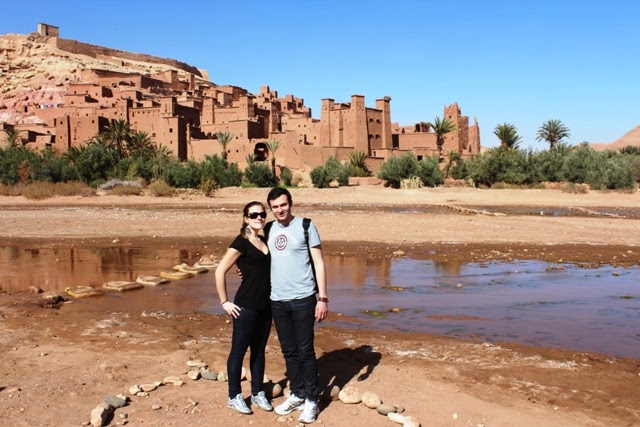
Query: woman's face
{"type": "Point", "coordinates": [256, 217]}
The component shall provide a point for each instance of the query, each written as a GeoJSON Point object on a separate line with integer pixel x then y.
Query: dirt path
{"type": "Point", "coordinates": [57, 365]}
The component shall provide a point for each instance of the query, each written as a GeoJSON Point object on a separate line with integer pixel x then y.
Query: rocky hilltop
{"type": "Point", "coordinates": [37, 70]}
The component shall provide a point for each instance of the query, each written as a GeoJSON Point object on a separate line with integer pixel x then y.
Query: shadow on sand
{"type": "Point", "coordinates": [339, 367]}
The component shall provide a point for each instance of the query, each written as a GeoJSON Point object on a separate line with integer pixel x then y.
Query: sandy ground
{"type": "Point", "coordinates": [58, 364]}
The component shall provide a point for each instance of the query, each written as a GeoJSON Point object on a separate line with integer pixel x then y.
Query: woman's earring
{"type": "Point", "coordinates": [248, 231]}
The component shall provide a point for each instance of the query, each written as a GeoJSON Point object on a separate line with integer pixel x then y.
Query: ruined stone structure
{"type": "Point", "coordinates": [183, 111]}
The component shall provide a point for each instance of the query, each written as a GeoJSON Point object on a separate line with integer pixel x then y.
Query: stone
{"type": "Point", "coordinates": [156, 407]}
{"type": "Point", "coordinates": [194, 375]}
{"type": "Point", "coordinates": [196, 363]}
{"type": "Point", "coordinates": [331, 394]}
{"type": "Point", "coordinates": [101, 414]}
{"type": "Point", "coordinates": [173, 380]}
{"type": "Point", "coordinates": [385, 408]}
{"type": "Point", "coordinates": [208, 375]}
{"type": "Point", "coordinates": [148, 387]}
{"type": "Point", "coordinates": [350, 395]}
{"type": "Point", "coordinates": [35, 289]}
{"type": "Point", "coordinates": [399, 408]}
{"type": "Point", "coordinates": [396, 418]}
{"type": "Point", "coordinates": [116, 401]}
{"type": "Point", "coordinates": [133, 390]}
{"type": "Point", "coordinates": [410, 422]}
{"type": "Point", "coordinates": [222, 376]}
{"type": "Point", "coordinates": [371, 400]}
{"type": "Point", "coordinates": [276, 391]}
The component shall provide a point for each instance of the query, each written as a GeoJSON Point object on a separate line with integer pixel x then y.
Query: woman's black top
{"type": "Point", "coordinates": [255, 288]}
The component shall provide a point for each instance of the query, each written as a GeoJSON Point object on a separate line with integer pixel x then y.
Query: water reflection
{"type": "Point", "coordinates": [531, 302]}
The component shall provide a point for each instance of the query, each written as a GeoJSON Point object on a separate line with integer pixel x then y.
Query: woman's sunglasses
{"type": "Point", "coordinates": [255, 215]}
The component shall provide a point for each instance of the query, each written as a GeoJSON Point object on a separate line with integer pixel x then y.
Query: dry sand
{"type": "Point", "coordinates": [57, 365]}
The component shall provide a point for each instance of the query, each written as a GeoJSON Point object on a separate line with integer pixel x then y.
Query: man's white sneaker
{"type": "Point", "coordinates": [310, 412]}
{"type": "Point", "coordinates": [239, 404]}
{"type": "Point", "coordinates": [261, 401]}
{"type": "Point", "coordinates": [293, 403]}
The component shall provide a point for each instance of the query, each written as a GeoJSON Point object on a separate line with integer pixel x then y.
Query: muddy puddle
{"type": "Point", "coordinates": [561, 305]}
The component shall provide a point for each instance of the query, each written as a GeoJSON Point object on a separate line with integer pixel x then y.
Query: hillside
{"type": "Point", "coordinates": [33, 71]}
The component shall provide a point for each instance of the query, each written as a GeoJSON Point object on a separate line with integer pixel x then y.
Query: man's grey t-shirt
{"type": "Point", "coordinates": [291, 271]}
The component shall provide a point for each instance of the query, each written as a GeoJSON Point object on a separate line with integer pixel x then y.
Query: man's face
{"type": "Point", "coordinates": [281, 208]}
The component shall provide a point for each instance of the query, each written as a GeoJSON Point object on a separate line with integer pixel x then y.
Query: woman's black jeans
{"type": "Point", "coordinates": [250, 330]}
{"type": "Point", "coordinates": [294, 320]}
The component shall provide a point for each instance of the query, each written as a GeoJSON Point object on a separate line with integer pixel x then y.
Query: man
{"type": "Point", "coordinates": [294, 304]}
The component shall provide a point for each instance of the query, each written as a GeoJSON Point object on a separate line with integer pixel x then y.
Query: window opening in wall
{"type": "Point", "coordinates": [170, 130]}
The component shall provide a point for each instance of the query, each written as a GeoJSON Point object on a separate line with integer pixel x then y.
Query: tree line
{"type": "Point", "coordinates": [126, 154]}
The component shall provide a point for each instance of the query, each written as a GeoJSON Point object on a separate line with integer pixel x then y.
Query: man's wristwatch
{"type": "Point", "coordinates": [323, 299]}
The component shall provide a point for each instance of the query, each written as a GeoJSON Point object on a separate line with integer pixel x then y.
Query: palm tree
{"type": "Point", "coordinates": [13, 136]}
{"type": "Point", "coordinates": [508, 135]}
{"type": "Point", "coordinates": [552, 131]}
{"type": "Point", "coordinates": [452, 157]}
{"type": "Point", "coordinates": [118, 133]}
{"type": "Point", "coordinates": [441, 127]}
{"type": "Point", "coordinates": [140, 143]}
{"type": "Point", "coordinates": [357, 161]}
{"type": "Point", "coordinates": [272, 146]}
{"type": "Point", "coordinates": [224, 138]}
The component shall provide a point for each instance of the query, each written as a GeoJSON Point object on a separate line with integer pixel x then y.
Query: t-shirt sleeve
{"type": "Point", "coordinates": [239, 244]}
{"type": "Point", "coordinates": [314, 236]}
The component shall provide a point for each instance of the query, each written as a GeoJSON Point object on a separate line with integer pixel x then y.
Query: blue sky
{"type": "Point", "coordinates": [520, 62]}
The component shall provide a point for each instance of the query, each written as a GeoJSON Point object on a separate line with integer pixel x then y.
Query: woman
{"type": "Point", "coordinates": [250, 308]}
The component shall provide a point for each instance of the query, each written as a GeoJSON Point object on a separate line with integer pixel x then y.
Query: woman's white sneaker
{"type": "Point", "coordinates": [239, 404]}
{"type": "Point", "coordinates": [261, 401]}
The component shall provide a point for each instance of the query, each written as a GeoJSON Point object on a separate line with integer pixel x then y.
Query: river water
{"type": "Point", "coordinates": [528, 302]}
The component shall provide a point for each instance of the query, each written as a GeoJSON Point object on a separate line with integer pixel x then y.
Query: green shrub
{"type": "Point", "coordinates": [160, 189]}
{"type": "Point", "coordinates": [428, 170]}
{"type": "Point", "coordinates": [395, 169]}
{"type": "Point", "coordinates": [287, 177]}
{"type": "Point", "coordinates": [183, 174]}
{"type": "Point", "coordinates": [221, 172]}
{"type": "Point", "coordinates": [259, 174]}
{"type": "Point", "coordinates": [96, 163]}
{"type": "Point", "coordinates": [208, 187]}
{"type": "Point", "coordinates": [332, 170]}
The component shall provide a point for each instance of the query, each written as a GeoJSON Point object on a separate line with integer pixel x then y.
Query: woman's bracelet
{"type": "Point", "coordinates": [224, 301]}
{"type": "Point", "coordinates": [323, 299]}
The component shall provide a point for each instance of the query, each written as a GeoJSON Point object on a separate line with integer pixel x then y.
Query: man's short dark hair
{"type": "Point", "coordinates": [277, 192]}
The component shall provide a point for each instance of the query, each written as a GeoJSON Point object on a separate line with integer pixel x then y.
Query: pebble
{"type": "Point", "coordinates": [101, 414]}
{"type": "Point", "coordinates": [35, 289]}
{"type": "Point", "coordinates": [116, 401]}
{"type": "Point", "coordinates": [208, 375]}
{"type": "Point", "coordinates": [173, 380]}
{"type": "Point", "coordinates": [385, 408]}
{"type": "Point", "coordinates": [156, 407]}
{"type": "Point", "coordinates": [148, 387]}
{"type": "Point", "coordinates": [399, 408]}
{"type": "Point", "coordinates": [350, 395]}
{"type": "Point", "coordinates": [396, 418]}
{"type": "Point", "coordinates": [194, 374]}
{"type": "Point", "coordinates": [333, 393]}
{"type": "Point", "coordinates": [133, 390]}
{"type": "Point", "coordinates": [196, 363]}
{"type": "Point", "coordinates": [222, 376]}
{"type": "Point", "coordinates": [276, 391]}
{"type": "Point", "coordinates": [410, 422]}
{"type": "Point", "coordinates": [371, 400]}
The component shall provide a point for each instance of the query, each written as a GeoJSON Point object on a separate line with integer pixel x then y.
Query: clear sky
{"type": "Point", "coordinates": [520, 62]}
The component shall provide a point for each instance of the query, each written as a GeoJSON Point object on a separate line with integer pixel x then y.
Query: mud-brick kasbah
{"type": "Point", "coordinates": [181, 109]}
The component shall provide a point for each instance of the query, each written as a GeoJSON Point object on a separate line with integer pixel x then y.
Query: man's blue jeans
{"type": "Point", "coordinates": [294, 320]}
{"type": "Point", "coordinates": [250, 330]}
